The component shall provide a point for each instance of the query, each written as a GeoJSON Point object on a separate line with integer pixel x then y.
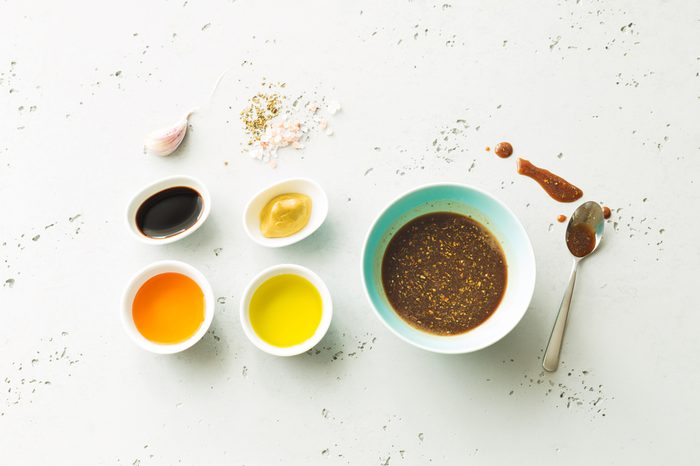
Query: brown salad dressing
{"type": "Point", "coordinates": [558, 188]}
{"type": "Point", "coordinates": [580, 239]}
{"type": "Point", "coordinates": [606, 212]}
{"type": "Point", "coordinates": [444, 273]}
{"type": "Point", "coordinates": [504, 149]}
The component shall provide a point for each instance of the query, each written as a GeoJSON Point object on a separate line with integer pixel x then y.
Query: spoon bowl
{"type": "Point", "coordinates": [585, 229]}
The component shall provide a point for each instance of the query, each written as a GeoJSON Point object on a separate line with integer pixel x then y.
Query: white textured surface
{"type": "Point", "coordinates": [613, 86]}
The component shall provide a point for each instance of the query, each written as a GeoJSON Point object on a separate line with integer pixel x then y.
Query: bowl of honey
{"type": "Point", "coordinates": [286, 310]}
{"type": "Point", "coordinates": [167, 307]}
{"type": "Point", "coordinates": [448, 268]}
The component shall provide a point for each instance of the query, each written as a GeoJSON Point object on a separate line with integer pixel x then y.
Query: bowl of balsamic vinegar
{"type": "Point", "coordinates": [168, 210]}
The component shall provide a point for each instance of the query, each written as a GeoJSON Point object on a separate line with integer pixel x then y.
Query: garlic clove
{"type": "Point", "coordinates": [166, 140]}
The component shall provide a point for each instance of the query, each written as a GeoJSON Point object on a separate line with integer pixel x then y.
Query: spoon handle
{"type": "Point", "coordinates": [551, 354]}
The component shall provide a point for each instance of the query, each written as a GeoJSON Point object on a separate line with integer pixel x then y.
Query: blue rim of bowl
{"type": "Point", "coordinates": [530, 251]}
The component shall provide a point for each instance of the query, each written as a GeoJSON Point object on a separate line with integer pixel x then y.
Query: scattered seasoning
{"type": "Point", "coordinates": [606, 212]}
{"type": "Point", "coordinates": [444, 273]}
{"type": "Point", "coordinates": [262, 108]}
{"type": "Point", "coordinates": [504, 149]}
{"type": "Point", "coordinates": [268, 129]}
{"type": "Point", "coordinates": [272, 125]}
{"type": "Point", "coordinates": [558, 188]}
{"type": "Point", "coordinates": [580, 239]}
{"type": "Point", "coordinates": [561, 218]}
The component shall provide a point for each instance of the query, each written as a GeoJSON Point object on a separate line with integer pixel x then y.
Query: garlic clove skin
{"type": "Point", "coordinates": [165, 141]}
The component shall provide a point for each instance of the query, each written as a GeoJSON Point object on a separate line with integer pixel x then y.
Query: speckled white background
{"type": "Point", "coordinates": [604, 93]}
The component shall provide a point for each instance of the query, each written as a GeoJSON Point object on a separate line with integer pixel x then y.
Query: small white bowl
{"type": "Point", "coordinates": [161, 185]}
{"type": "Point", "coordinates": [137, 282]}
{"type": "Point", "coordinates": [319, 210]}
{"type": "Point", "coordinates": [326, 310]}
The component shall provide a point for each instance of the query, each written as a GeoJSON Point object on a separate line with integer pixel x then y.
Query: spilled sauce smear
{"type": "Point", "coordinates": [557, 187]}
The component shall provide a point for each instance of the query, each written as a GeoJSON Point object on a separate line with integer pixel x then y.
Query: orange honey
{"type": "Point", "coordinates": [168, 308]}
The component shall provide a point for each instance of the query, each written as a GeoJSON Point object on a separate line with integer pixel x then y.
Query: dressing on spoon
{"type": "Point", "coordinates": [583, 235]}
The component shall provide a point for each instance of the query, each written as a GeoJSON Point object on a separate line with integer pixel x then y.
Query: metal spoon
{"type": "Point", "coordinates": [583, 235]}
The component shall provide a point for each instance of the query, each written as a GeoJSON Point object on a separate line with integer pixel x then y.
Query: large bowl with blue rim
{"type": "Point", "coordinates": [488, 211]}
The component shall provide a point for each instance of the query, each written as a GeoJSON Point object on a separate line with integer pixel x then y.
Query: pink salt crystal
{"type": "Point", "coordinates": [278, 134]}
{"type": "Point", "coordinates": [333, 107]}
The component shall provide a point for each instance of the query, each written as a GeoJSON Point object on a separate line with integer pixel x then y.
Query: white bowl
{"type": "Point", "coordinates": [319, 210]}
{"type": "Point", "coordinates": [135, 284]}
{"type": "Point", "coordinates": [326, 311]}
{"type": "Point", "coordinates": [161, 185]}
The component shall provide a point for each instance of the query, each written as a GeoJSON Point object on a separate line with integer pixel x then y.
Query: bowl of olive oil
{"type": "Point", "coordinates": [286, 310]}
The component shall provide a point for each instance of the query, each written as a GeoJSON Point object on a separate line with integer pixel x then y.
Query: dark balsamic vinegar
{"type": "Point", "coordinates": [169, 212]}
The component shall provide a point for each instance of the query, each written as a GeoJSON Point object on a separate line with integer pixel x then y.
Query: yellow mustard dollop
{"type": "Point", "coordinates": [285, 215]}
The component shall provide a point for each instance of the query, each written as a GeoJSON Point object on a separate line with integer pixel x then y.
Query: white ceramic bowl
{"type": "Point", "coordinates": [319, 210]}
{"type": "Point", "coordinates": [161, 185]}
{"type": "Point", "coordinates": [135, 284]}
{"type": "Point", "coordinates": [327, 309]}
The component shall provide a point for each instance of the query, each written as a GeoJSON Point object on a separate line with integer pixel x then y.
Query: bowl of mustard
{"type": "Point", "coordinates": [286, 212]}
